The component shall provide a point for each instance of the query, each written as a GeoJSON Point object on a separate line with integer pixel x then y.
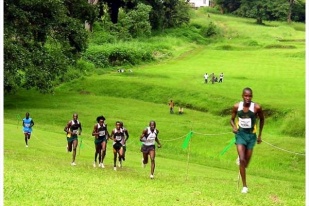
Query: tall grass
{"type": "Point", "coordinates": [198, 175]}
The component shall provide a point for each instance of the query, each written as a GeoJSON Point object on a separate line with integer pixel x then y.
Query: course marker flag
{"type": "Point", "coordinates": [187, 140]}
{"type": "Point", "coordinates": [81, 144]}
{"type": "Point", "coordinates": [228, 146]}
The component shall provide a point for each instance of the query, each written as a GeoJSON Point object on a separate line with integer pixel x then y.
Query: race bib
{"type": "Point", "coordinates": [27, 125]}
{"type": "Point", "coordinates": [150, 140]}
{"type": "Point", "coordinates": [245, 123]}
{"type": "Point", "coordinates": [75, 131]}
{"type": "Point", "coordinates": [118, 138]}
{"type": "Point", "coordinates": [101, 133]}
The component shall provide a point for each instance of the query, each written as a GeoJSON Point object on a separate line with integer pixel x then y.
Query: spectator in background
{"type": "Point", "coordinates": [206, 78]}
{"type": "Point", "coordinates": [180, 110]}
{"type": "Point", "coordinates": [213, 78]}
{"type": "Point", "coordinates": [171, 105]}
{"type": "Point", "coordinates": [221, 78]}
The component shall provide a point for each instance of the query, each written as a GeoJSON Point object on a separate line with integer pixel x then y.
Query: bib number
{"type": "Point", "coordinates": [101, 133]}
{"type": "Point", "coordinates": [245, 123]}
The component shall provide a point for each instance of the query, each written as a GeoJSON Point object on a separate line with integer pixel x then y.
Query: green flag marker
{"type": "Point", "coordinates": [228, 146]}
{"type": "Point", "coordinates": [187, 140]}
{"type": "Point", "coordinates": [81, 146]}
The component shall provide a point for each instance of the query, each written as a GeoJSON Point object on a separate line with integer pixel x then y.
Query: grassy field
{"type": "Point", "coordinates": [269, 59]}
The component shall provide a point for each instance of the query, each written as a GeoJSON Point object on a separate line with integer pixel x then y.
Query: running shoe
{"type": "Point", "coordinates": [95, 165]}
{"type": "Point", "coordinates": [151, 176]}
{"type": "Point", "coordinates": [237, 161]}
{"type": "Point", "coordinates": [115, 168]}
{"type": "Point", "coordinates": [73, 163]}
{"type": "Point", "coordinates": [102, 165]}
{"type": "Point", "coordinates": [245, 190]}
{"type": "Point", "coordinates": [120, 164]}
{"type": "Point", "coordinates": [26, 145]}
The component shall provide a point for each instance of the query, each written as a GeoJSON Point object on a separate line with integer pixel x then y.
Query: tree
{"type": "Point", "coordinates": [136, 21]}
{"type": "Point", "coordinates": [291, 3]}
{"type": "Point", "coordinates": [41, 38]}
{"type": "Point", "coordinates": [263, 9]}
{"type": "Point", "coordinates": [168, 13]}
{"type": "Point", "coordinates": [228, 6]}
{"type": "Point", "coordinates": [297, 11]}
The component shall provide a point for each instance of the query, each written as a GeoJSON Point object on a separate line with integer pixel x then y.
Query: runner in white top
{"type": "Point", "coordinates": [149, 137]}
{"type": "Point", "coordinates": [118, 137]}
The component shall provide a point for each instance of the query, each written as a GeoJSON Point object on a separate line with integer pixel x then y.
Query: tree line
{"type": "Point", "coordinates": [279, 10]}
{"type": "Point", "coordinates": [42, 38]}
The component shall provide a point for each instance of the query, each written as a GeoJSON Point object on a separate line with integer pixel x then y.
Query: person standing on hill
{"type": "Point", "coordinates": [206, 78]}
{"type": "Point", "coordinates": [245, 128]}
{"type": "Point", "coordinates": [148, 138]}
{"type": "Point", "coordinates": [73, 129]}
{"type": "Point", "coordinates": [171, 105]}
{"type": "Point", "coordinates": [118, 137]}
{"type": "Point", "coordinates": [101, 135]}
{"type": "Point", "coordinates": [180, 110]}
{"type": "Point", "coordinates": [213, 78]}
{"type": "Point", "coordinates": [221, 78]}
{"type": "Point", "coordinates": [27, 127]}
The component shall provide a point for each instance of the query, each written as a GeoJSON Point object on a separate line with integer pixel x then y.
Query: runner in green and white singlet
{"type": "Point", "coordinates": [245, 129]}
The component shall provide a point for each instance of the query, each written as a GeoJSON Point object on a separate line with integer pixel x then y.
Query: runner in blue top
{"type": "Point", "coordinates": [245, 129]}
{"type": "Point", "coordinates": [27, 127]}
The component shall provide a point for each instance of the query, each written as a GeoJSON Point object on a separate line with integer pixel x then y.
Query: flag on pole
{"type": "Point", "coordinates": [81, 143]}
{"type": "Point", "coordinates": [228, 146]}
{"type": "Point", "coordinates": [187, 140]}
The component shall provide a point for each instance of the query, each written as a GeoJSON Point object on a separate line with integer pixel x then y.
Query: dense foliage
{"type": "Point", "coordinates": [279, 10]}
{"type": "Point", "coordinates": [40, 39]}
{"type": "Point", "coordinates": [43, 39]}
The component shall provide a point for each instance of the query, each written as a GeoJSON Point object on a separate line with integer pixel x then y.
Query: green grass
{"type": "Point", "coordinates": [199, 175]}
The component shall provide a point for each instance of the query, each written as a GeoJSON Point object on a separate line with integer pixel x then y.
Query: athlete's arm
{"type": "Point", "coordinates": [143, 136]}
{"type": "Point", "coordinates": [107, 133]}
{"type": "Point", "coordinates": [157, 140]}
{"type": "Point", "coordinates": [95, 131]}
{"type": "Point", "coordinates": [31, 123]}
{"type": "Point", "coordinates": [112, 135]}
{"type": "Point", "coordinates": [80, 128]}
{"type": "Point", "coordinates": [127, 134]}
{"type": "Point", "coordinates": [232, 121]}
{"type": "Point", "coordinates": [67, 127]}
{"type": "Point", "coordinates": [261, 126]}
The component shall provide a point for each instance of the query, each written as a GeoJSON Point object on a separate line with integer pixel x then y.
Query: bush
{"type": "Point", "coordinates": [293, 125]}
{"type": "Point", "coordinates": [211, 30]}
{"type": "Point", "coordinates": [85, 67]}
{"type": "Point", "coordinates": [118, 55]}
